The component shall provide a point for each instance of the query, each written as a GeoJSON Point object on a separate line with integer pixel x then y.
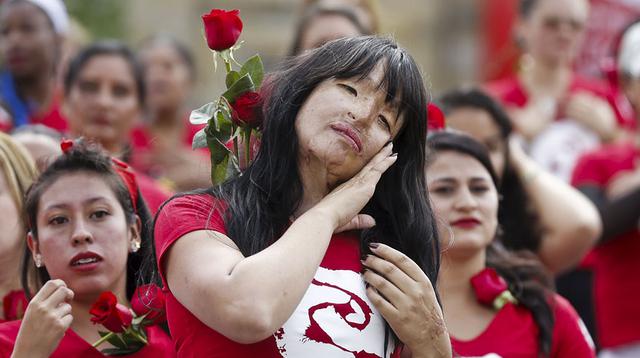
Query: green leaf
{"type": "Point", "coordinates": [219, 171]}
{"type": "Point", "coordinates": [199, 140]}
{"type": "Point", "coordinates": [254, 68]}
{"type": "Point", "coordinates": [242, 85]}
{"type": "Point", "coordinates": [232, 77]}
{"type": "Point", "coordinates": [202, 114]}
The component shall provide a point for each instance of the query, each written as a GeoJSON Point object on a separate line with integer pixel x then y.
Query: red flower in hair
{"type": "Point", "coordinates": [491, 289]}
{"type": "Point", "coordinates": [435, 118]}
{"type": "Point", "coordinates": [109, 313]}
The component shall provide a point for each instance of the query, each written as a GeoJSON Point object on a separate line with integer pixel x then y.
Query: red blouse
{"type": "Point", "coordinates": [334, 318]}
{"type": "Point", "coordinates": [514, 333]}
{"type": "Point", "coordinates": [72, 345]}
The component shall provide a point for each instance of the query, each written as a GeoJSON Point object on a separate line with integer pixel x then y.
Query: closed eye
{"type": "Point", "coordinates": [382, 119]}
{"type": "Point", "coordinates": [349, 89]}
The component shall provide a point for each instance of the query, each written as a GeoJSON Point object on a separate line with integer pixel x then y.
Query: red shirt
{"type": "Point", "coordinates": [334, 318]}
{"type": "Point", "coordinates": [52, 117]}
{"type": "Point", "coordinates": [14, 304]}
{"type": "Point", "coordinates": [151, 192]}
{"type": "Point", "coordinates": [616, 263]}
{"type": "Point", "coordinates": [142, 146]}
{"type": "Point", "coordinates": [514, 333]}
{"type": "Point", "coordinates": [512, 93]}
{"type": "Point", "coordinates": [72, 345]}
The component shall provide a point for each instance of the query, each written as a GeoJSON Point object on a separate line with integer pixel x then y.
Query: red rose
{"type": "Point", "coordinates": [149, 300]}
{"type": "Point", "coordinates": [107, 312]}
{"type": "Point", "coordinates": [435, 118]}
{"type": "Point", "coordinates": [222, 28]}
{"type": "Point", "coordinates": [488, 286]}
{"type": "Point", "coordinates": [244, 110]}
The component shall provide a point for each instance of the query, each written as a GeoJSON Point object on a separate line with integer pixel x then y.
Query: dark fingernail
{"type": "Point", "coordinates": [374, 245]}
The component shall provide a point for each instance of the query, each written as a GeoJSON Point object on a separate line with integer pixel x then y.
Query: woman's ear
{"type": "Point", "coordinates": [135, 239]}
{"type": "Point", "coordinates": [33, 246]}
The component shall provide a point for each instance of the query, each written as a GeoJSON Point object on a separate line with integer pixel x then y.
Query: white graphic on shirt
{"type": "Point", "coordinates": [334, 319]}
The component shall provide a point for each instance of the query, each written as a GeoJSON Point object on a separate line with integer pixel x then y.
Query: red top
{"type": "Point", "coordinates": [512, 93]}
{"type": "Point", "coordinates": [615, 263]}
{"type": "Point", "coordinates": [334, 316]}
{"type": "Point", "coordinates": [51, 118]}
{"type": "Point", "coordinates": [142, 144]}
{"type": "Point", "coordinates": [72, 345]}
{"type": "Point", "coordinates": [153, 194]}
{"type": "Point", "coordinates": [14, 304]}
{"type": "Point", "coordinates": [514, 333]}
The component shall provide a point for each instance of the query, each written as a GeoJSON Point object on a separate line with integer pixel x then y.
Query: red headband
{"type": "Point", "coordinates": [123, 169]}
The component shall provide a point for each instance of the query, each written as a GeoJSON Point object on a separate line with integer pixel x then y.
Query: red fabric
{"type": "Point", "coordinates": [71, 345]}
{"type": "Point", "coordinates": [141, 141]}
{"type": "Point", "coordinates": [514, 333]}
{"type": "Point", "coordinates": [194, 339]}
{"type": "Point", "coordinates": [151, 192]}
{"type": "Point", "coordinates": [615, 264]}
{"type": "Point", "coordinates": [14, 304]}
{"type": "Point", "coordinates": [511, 93]}
{"type": "Point", "coordinates": [52, 118]}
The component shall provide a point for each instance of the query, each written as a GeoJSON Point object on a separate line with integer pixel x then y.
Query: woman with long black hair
{"type": "Point", "coordinates": [269, 263]}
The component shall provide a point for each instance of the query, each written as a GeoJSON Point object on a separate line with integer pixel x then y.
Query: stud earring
{"type": "Point", "coordinates": [135, 246]}
{"type": "Point", "coordinates": [38, 260]}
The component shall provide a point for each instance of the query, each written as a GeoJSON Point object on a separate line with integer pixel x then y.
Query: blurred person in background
{"type": "Point", "coordinates": [367, 11]}
{"type": "Point", "coordinates": [321, 23]}
{"type": "Point", "coordinates": [17, 172]}
{"type": "Point", "coordinates": [558, 113]}
{"type": "Point", "coordinates": [31, 37]}
{"type": "Point", "coordinates": [162, 142]}
{"type": "Point", "coordinates": [104, 96]}
{"type": "Point", "coordinates": [610, 177]}
{"type": "Point", "coordinates": [43, 143]}
{"type": "Point", "coordinates": [532, 321]}
{"type": "Point", "coordinates": [538, 211]}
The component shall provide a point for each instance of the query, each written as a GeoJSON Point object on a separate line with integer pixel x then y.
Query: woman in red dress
{"type": "Point", "coordinates": [494, 301]}
{"type": "Point", "coordinates": [88, 234]}
{"type": "Point", "coordinates": [17, 172]}
{"type": "Point", "coordinates": [268, 264]}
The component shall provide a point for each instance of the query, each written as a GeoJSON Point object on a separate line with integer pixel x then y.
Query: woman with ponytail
{"type": "Point", "coordinates": [494, 300]}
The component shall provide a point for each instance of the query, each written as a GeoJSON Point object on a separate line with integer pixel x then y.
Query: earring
{"type": "Point", "coordinates": [38, 260]}
{"type": "Point", "coordinates": [135, 246]}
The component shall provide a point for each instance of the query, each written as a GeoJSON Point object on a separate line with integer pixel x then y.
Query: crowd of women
{"type": "Point", "coordinates": [502, 222]}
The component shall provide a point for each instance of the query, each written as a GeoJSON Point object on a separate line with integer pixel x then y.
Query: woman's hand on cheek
{"type": "Point", "coordinates": [404, 296]}
{"type": "Point", "coordinates": [343, 204]}
{"type": "Point", "coordinates": [46, 319]}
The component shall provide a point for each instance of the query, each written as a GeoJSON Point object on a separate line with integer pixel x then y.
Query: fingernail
{"type": "Point", "coordinates": [394, 154]}
{"type": "Point", "coordinates": [374, 245]}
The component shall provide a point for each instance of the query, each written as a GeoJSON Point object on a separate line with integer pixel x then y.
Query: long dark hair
{"type": "Point", "coordinates": [518, 219]}
{"type": "Point", "coordinates": [88, 158]}
{"type": "Point", "coordinates": [527, 279]}
{"type": "Point", "coordinates": [262, 199]}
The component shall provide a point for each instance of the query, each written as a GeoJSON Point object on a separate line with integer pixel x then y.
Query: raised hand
{"type": "Point", "coordinates": [345, 202]}
{"type": "Point", "coordinates": [404, 296]}
{"type": "Point", "coordinates": [46, 319]}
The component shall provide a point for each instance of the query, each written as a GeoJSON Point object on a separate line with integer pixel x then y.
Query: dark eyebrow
{"type": "Point", "coordinates": [63, 205]}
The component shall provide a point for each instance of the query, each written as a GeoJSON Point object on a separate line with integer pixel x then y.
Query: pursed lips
{"type": "Point", "coordinates": [349, 133]}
